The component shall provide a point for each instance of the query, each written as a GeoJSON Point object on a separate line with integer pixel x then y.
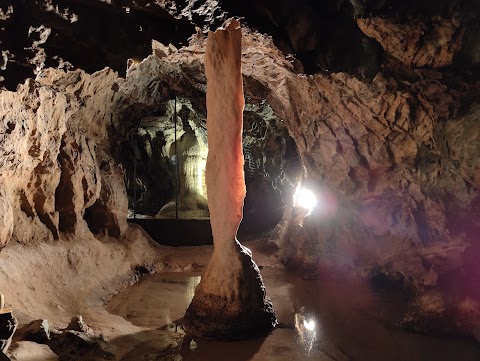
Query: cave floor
{"type": "Point", "coordinates": [348, 322]}
{"type": "Point", "coordinates": [78, 275]}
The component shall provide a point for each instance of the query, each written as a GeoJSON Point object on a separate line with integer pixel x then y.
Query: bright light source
{"type": "Point", "coordinates": [309, 325]}
{"type": "Point", "coordinates": [305, 199]}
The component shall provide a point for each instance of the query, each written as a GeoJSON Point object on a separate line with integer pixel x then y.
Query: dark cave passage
{"type": "Point", "coordinates": [150, 156]}
{"type": "Point", "coordinates": [353, 220]}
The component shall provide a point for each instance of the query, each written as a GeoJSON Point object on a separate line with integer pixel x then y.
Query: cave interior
{"type": "Point", "coordinates": [267, 180]}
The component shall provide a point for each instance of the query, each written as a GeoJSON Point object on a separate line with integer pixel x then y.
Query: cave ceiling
{"type": "Point", "coordinates": [372, 104]}
{"type": "Point", "coordinates": [318, 36]}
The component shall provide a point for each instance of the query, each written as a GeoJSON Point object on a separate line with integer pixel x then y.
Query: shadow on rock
{"type": "Point", "coordinates": [204, 350]}
{"type": "Point", "coordinates": [167, 344]}
{"type": "Point", "coordinates": [75, 343]}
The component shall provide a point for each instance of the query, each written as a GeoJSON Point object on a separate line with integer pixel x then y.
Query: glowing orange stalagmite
{"type": "Point", "coordinates": [230, 302]}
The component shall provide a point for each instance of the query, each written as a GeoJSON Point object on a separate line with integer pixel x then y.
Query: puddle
{"type": "Point", "coordinates": [319, 321]}
{"type": "Point", "coordinates": [156, 300]}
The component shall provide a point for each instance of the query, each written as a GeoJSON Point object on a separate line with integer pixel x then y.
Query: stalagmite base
{"type": "Point", "coordinates": [230, 302]}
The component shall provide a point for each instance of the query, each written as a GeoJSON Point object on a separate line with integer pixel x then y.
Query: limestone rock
{"type": "Point", "coordinates": [8, 325]}
{"type": "Point", "coordinates": [379, 167]}
{"type": "Point", "coordinates": [49, 171]}
{"type": "Point", "coordinates": [32, 351]}
{"type": "Point", "coordinates": [6, 219]}
{"type": "Point", "coordinates": [80, 181]}
{"type": "Point", "coordinates": [36, 331]}
{"type": "Point", "coordinates": [30, 41]}
{"type": "Point", "coordinates": [230, 301]}
{"type": "Point", "coordinates": [28, 152]}
{"type": "Point", "coordinates": [191, 156]}
{"type": "Point", "coordinates": [109, 212]}
{"type": "Point", "coordinates": [417, 43]}
{"type": "Point", "coordinates": [80, 345]}
{"type": "Point", "coordinates": [77, 341]}
{"type": "Point", "coordinates": [77, 324]}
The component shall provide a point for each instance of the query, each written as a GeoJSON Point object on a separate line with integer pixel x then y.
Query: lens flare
{"type": "Point", "coordinates": [309, 325]}
{"type": "Point", "coordinates": [305, 198]}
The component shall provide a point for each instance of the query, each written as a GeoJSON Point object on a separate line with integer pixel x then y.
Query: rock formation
{"type": "Point", "coordinates": [50, 174]}
{"type": "Point", "coordinates": [76, 341]}
{"type": "Point", "coordinates": [230, 301]}
{"type": "Point", "coordinates": [385, 125]}
{"type": "Point", "coordinates": [8, 325]}
{"type": "Point", "coordinates": [191, 158]}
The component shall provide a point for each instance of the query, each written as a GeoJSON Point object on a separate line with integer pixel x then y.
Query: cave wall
{"type": "Point", "coordinates": [318, 36]}
{"type": "Point", "coordinates": [272, 167]}
{"type": "Point", "coordinates": [378, 153]}
{"type": "Point", "coordinates": [50, 173]}
{"type": "Point", "coordinates": [388, 138]}
{"type": "Point", "coordinates": [71, 34]}
{"type": "Point", "coordinates": [61, 134]}
{"type": "Point", "coordinates": [393, 162]}
{"type": "Point", "coordinates": [152, 147]}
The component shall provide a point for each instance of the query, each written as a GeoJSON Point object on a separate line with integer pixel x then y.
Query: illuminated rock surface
{"type": "Point", "coordinates": [384, 127]}
{"type": "Point", "coordinates": [192, 201]}
{"type": "Point", "coordinates": [25, 349]}
{"type": "Point", "coordinates": [230, 301]}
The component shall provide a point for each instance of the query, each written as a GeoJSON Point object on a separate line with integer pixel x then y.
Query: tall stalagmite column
{"type": "Point", "coordinates": [230, 302]}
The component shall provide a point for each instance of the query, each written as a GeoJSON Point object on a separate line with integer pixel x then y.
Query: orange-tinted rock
{"type": "Point", "coordinates": [417, 43]}
{"type": "Point", "coordinates": [230, 302]}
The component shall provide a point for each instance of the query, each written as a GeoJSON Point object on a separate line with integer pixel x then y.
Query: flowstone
{"type": "Point", "coordinates": [230, 302]}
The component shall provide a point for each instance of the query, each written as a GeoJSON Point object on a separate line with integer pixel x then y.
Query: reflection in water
{"type": "Point", "coordinates": [320, 320]}
{"type": "Point", "coordinates": [305, 326]}
{"type": "Point", "coordinates": [191, 286]}
{"type": "Point", "coordinates": [309, 325]}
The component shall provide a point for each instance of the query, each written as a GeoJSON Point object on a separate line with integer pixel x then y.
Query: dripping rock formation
{"type": "Point", "coordinates": [379, 118]}
{"type": "Point", "coordinates": [230, 301]}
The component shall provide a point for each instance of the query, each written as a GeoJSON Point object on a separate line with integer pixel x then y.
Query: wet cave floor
{"type": "Point", "coordinates": [318, 320]}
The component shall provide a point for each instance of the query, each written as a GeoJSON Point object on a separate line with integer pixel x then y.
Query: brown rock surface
{"type": "Point", "coordinates": [109, 212]}
{"type": "Point", "coordinates": [397, 153]}
{"type": "Point", "coordinates": [395, 156]}
{"type": "Point", "coordinates": [417, 43]}
{"type": "Point", "coordinates": [8, 325]}
{"type": "Point", "coordinates": [49, 172]}
{"type": "Point", "coordinates": [6, 219]}
{"type": "Point", "coordinates": [24, 350]}
{"type": "Point", "coordinates": [230, 301]}
{"type": "Point", "coordinates": [191, 203]}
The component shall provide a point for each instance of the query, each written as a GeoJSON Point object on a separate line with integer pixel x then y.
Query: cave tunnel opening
{"type": "Point", "coordinates": [362, 201]}
{"type": "Point", "coordinates": [164, 164]}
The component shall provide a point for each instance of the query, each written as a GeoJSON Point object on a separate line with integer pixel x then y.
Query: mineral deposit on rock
{"type": "Point", "coordinates": [230, 301]}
